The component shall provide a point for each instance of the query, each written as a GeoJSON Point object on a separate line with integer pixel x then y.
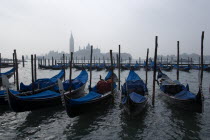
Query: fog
{"type": "Point", "coordinates": [38, 26]}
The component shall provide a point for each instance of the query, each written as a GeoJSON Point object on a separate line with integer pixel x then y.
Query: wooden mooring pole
{"type": "Point", "coordinates": [202, 38]}
{"type": "Point", "coordinates": [35, 72]}
{"type": "Point", "coordinates": [16, 66]}
{"type": "Point", "coordinates": [119, 65]}
{"type": "Point", "coordinates": [112, 70]}
{"type": "Point", "coordinates": [155, 68]}
{"type": "Point", "coordinates": [32, 73]}
{"type": "Point", "coordinates": [146, 68]}
{"type": "Point", "coordinates": [70, 74]}
{"type": "Point", "coordinates": [91, 56]}
{"type": "Point", "coordinates": [23, 61]}
{"type": "Point", "coordinates": [64, 67]}
{"type": "Point", "coordinates": [177, 72]}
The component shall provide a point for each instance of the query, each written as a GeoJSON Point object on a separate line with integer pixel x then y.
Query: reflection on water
{"type": "Point", "coordinates": [158, 122]}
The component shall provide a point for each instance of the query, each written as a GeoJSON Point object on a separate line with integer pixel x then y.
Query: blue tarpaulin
{"type": "Point", "coordinates": [137, 98]}
{"type": "Point", "coordinates": [185, 95]}
{"type": "Point", "coordinates": [133, 81]}
{"type": "Point", "coordinates": [8, 72]}
{"type": "Point", "coordinates": [42, 83]}
{"type": "Point", "coordinates": [3, 92]}
{"type": "Point", "coordinates": [77, 82]}
{"type": "Point", "coordinates": [90, 96]}
{"type": "Point", "coordinates": [44, 94]}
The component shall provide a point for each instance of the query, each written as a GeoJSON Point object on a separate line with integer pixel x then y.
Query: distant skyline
{"type": "Point", "coordinates": [38, 26]}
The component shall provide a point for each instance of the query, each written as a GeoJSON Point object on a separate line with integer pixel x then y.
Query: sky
{"type": "Point", "coordinates": [38, 26]}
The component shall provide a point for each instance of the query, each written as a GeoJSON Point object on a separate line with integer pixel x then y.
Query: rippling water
{"type": "Point", "coordinates": [159, 122]}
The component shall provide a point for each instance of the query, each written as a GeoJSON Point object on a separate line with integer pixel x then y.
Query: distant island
{"type": "Point", "coordinates": [84, 53]}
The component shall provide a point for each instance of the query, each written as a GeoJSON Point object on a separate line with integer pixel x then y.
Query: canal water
{"type": "Point", "coordinates": [159, 122]}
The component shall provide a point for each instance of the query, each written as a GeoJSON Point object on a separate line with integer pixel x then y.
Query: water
{"type": "Point", "coordinates": [159, 122]}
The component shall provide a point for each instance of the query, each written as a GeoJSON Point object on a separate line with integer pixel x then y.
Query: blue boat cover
{"type": "Point", "coordinates": [127, 65]}
{"type": "Point", "coordinates": [136, 65]}
{"type": "Point", "coordinates": [3, 92]}
{"type": "Point", "coordinates": [8, 72]}
{"type": "Point", "coordinates": [185, 95]}
{"type": "Point", "coordinates": [77, 82]}
{"type": "Point", "coordinates": [108, 75]}
{"type": "Point", "coordinates": [152, 64]}
{"type": "Point", "coordinates": [137, 98]}
{"type": "Point", "coordinates": [184, 67]}
{"type": "Point", "coordinates": [132, 76]}
{"type": "Point", "coordinates": [42, 83]}
{"type": "Point", "coordinates": [57, 66]}
{"type": "Point", "coordinates": [133, 81]}
{"type": "Point", "coordinates": [101, 66]}
{"type": "Point", "coordinates": [44, 94]}
{"type": "Point", "coordinates": [144, 64]}
{"type": "Point", "coordinates": [90, 96]}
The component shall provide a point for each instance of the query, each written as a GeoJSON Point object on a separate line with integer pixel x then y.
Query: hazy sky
{"type": "Point", "coordinates": [37, 26]}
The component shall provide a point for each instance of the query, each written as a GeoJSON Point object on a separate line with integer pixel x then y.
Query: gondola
{"type": "Point", "coordinates": [134, 94]}
{"type": "Point", "coordinates": [100, 67]}
{"type": "Point", "coordinates": [95, 98]}
{"type": "Point", "coordinates": [40, 85]}
{"type": "Point", "coordinates": [125, 67]}
{"type": "Point", "coordinates": [183, 68]}
{"type": "Point", "coordinates": [20, 102]}
{"type": "Point", "coordinates": [196, 67]}
{"type": "Point", "coordinates": [165, 68]}
{"type": "Point", "coordinates": [59, 67]}
{"type": "Point", "coordinates": [136, 66]}
{"type": "Point", "coordinates": [44, 67]}
{"type": "Point", "coordinates": [53, 67]}
{"type": "Point", "coordinates": [79, 67]}
{"type": "Point", "coordinates": [88, 67]}
{"type": "Point", "coordinates": [206, 68]}
{"type": "Point", "coordinates": [8, 74]}
{"type": "Point", "coordinates": [179, 95]}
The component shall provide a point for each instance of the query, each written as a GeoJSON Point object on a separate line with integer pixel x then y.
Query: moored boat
{"type": "Point", "coordinates": [20, 102]}
{"type": "Point", "coordinates": [179, 95]}
{"type": "Point", "coordinates": [97, 96]}
{"type": "Point", "coordinates": [134, 94]}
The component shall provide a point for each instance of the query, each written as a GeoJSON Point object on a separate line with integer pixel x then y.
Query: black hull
{"type": "Point", "coordinates": [2, 101]}
{"type": "Point", "coordinates": [136, 68]}
{"type": "Point", "coordinates": [99, 69]}
{"type": "Point", "coordinates": [78, 68]}
{"type": "Point", "coordinates": [207, 69]}
{"type": "Point", "coordinates": [52, 68]}
{"type": "Point", "coordinates": [75, 110]}
{"type": "Point", "coordinates": [18, 105]}
{"type": "Point", "coordinates": [167, 69]}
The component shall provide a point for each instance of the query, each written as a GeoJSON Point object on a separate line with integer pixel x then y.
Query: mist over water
{"type": "Point", "coordinates": [159, 122]}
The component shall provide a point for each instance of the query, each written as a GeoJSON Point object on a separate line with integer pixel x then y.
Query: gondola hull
{"type": "Point", "coordinates": [20, 105]}
{"type": "Point", "coordinates": [3, 101]}
{"type": "Point", "coordinates": [99, 68]}
{"type": "Point", "coordinates": [136, 108]}
{"type": "Point", "coordinates": [167, 68]}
